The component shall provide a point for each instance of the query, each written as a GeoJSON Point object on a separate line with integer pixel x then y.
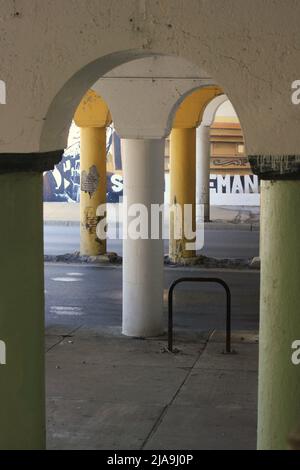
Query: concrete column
{"type": "Point", "coordinates": [143, 166]}
{"type": "Point", "coordinates": [22, 377]}
{"type": "Point", "coordinates": [203, 170]}
{"type": "Point", "coordinates": [93, 188]}
{"type": "Point", "coordinates": [182, 186]}
{"type": "Point", "coordinates": [279, 378]}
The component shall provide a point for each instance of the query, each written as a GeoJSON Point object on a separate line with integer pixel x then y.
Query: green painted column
{"type": "Point", "coordinates": [22, 378]}
{"type": "Point", "coordinates": [279, 378]}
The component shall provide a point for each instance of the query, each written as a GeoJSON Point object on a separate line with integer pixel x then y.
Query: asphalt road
{"type": "Point", "coordinates": [60, 239]}
{"type": "Point", "coordinates": [78, 295]}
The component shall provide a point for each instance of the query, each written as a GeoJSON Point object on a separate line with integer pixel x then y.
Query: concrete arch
{"type": "Point", "coordinates": [51, 54]}
{"type": "Point", "coordinates": [212, 108]}
{"type": "Point", "coordinates": [62, 108]}
{"type": "Point", "coordinates": [84, 44]}
{"type": "Point", "coordinates": [183, 99]}
{"type": "Point", "coordinates": [54, 132]}
{"type": "Point", "coordinates": [144, 99]}
{"type": "Point", "coordinates": [186, 95]}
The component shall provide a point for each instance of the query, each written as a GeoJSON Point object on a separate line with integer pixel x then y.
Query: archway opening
{"type": "Point", "coordinates": [89, 301]}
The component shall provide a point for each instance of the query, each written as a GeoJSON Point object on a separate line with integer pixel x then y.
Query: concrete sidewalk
{"type": "Point", "coordinates": [107, 391]}
{"type": "Point", "coordinates": [227, 217]}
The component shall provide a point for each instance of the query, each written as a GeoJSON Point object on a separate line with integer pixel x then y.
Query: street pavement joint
{"type": "Point", "coordinates": [165, 409]}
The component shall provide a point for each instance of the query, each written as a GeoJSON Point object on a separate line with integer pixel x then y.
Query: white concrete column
{"type": "Point", "coordinates": [143, 166]}
{"type": "Point", "coordinates": [203, 170]}
{"type": "Point", "coordinates": [279, 377]}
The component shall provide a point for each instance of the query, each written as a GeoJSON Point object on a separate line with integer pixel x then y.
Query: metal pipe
{"type": "Point", "coordinates": [199, 279]}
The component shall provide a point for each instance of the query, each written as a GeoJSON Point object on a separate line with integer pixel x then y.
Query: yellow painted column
{"type": "Point", "coordinates": [183, 172]}
{"type": "Point", "coordinates": [92, 116]}
{"type": "Point", "coordinates": [182, 191]}
{"type": "Point", "coordinates": [92, 188]}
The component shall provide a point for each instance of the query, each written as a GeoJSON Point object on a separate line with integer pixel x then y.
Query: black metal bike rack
{"type": "Point", "coordinates": [199, 279]}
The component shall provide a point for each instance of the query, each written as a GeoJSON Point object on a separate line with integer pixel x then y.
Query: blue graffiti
{"type": "Point", "coordinates": [63, 183]}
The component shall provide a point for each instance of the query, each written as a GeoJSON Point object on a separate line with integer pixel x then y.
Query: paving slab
{"type": "Point", "coordinates": [227, 389]}
{"type": "Point", "coordinates": [244, 357]}
{"type": "Point", "coordinates": [88, 424]}
{"type": "Point", "coordinates": [107, 391]}
{"type": "Point", "coordinates": [115, 384]}
{"type": "Point", "coordinates": [205, 428]}
{"type": "Point", "coordinates": [240, 336]}
{"type": "Point", "coordinates": [109, 352]}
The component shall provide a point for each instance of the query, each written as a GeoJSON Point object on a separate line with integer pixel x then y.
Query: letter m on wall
{"type": "Point", "coordinates": [2, 353]}
{"type": "Point", "coordinates": [2, 92]}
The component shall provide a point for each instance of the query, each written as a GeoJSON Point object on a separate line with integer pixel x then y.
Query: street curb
{"type": "Point", "coordinates": [166, 267]}
{"type": "Point", "coordinates": [199, 262]}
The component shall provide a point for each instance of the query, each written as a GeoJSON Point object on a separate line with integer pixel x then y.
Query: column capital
{"type": "Point", "coordinates": [275, 167]}
{"type": "Point", "coordinates": [92, 111]}
{"type": "Point", "coordinates": [144, 108]}
{"type": "Point", "coordinates": [29, 162]}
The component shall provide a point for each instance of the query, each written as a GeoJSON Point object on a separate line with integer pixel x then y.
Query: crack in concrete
{"type": "Point", "coordinates": [166, 407]}
{"type": "Point", "coordinates": [62, 337]}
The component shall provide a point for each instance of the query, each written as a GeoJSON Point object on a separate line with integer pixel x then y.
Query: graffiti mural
{"type": "Point", "coordinates": [63, 183]}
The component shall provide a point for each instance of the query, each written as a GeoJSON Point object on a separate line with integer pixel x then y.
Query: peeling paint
{"type": "Point", "coordinates": [90, 180]}
{"type": "Point", "coordinates": [90, 220]}
{"type": "Point", "coordinates": [276, 166]}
